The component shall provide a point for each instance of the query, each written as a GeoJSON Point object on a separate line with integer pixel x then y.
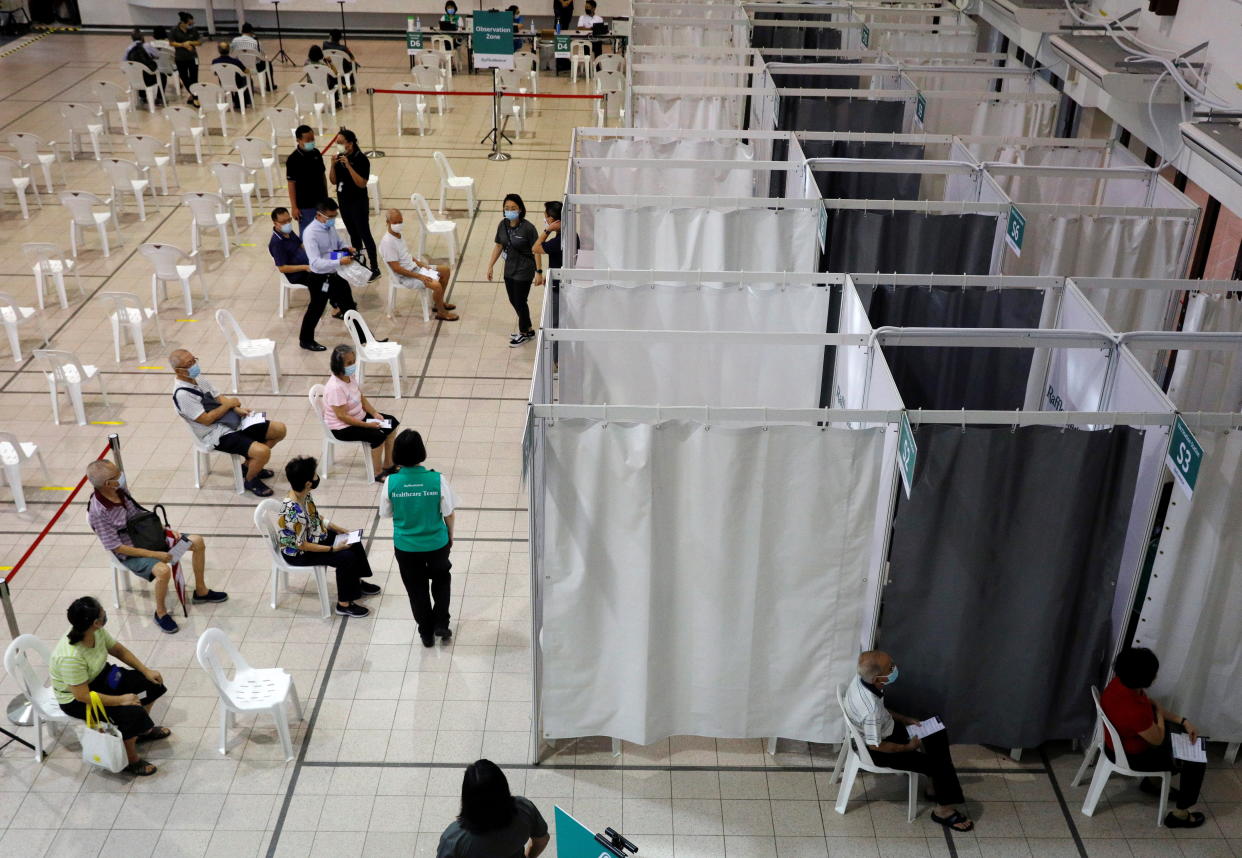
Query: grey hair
{"type": "Point", "coordinates": [870, 663]}
{"type": "Point", "coordinates": [336, 362]}
{"type": "Point", "coordinates": [100, 471]}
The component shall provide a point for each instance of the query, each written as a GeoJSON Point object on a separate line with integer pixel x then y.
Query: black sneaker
{"type": "Point", "coordinates": [375, 275]}
{"type": "Point", "coordinates": [169, 626]}
{"type": "Point", "coordinates": [352, 610]}
{"type": "Point", "coordinates": [210, 596]}
{"type": "Point", "coordinates": [368, 589]}
{"type": "Point", "coordinates": [258, 488]}
{"type": "Point", "coordinates": [519, 339]}
{"type": "Point", "coordinates": [444, 632]}
{"type": "Point", "coordinates": [1193, 820]}
{"type": "Point", "coordinates": [313, 346]}
{"type": "Point", "coordinates": [428, 641]}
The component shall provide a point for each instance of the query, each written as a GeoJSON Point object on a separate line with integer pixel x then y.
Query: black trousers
{"type": "Point", "coordinates": [338, 290]}
{"type": "Point", "coordinates": [519, 295]}
{"type": "Point", "coordinates": [351, 565]}
{"type": "Point", "coordinates": [427, 579]}
{"type": "Point", "coordinates": [357, 217]}
{"type": "Point", "coordinates": [1159, 758]}
{"type": "Point", "coordinates": [933, 760]}
{"type": "Point", "coordinates": [132, 721]}
{"type": "Point", "coordinates": [373, 435]}
{"type": "Point", "coordinates": [187, 70]}
{"type": "Point", "coordinates": [564, 15]}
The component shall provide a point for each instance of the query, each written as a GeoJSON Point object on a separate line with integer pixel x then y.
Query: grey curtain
{"type": "Point", "coordinates": [836, 113]}
{"type": "Point", "coordinates": [865, 186]}
{"type": "Point", "coordinates": [908, 242]}
{"type": "Point", "coordinates": [793, 37]}
{"type": "Point", "coordinates": [1004, 561]}
{"type": "Point", "coordinates": [949, 378]}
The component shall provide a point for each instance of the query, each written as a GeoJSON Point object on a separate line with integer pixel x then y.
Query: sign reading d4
{"type": "Point", "coordinates": [1184, 457]}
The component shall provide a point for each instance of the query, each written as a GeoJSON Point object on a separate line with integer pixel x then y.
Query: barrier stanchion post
{"type": "Point", "coordinates": [9, 616]}
{"type": "Point", "coordinates": [374, 151]}
{"type": "Point", "coordinates": [496, 154]}
{"type": "Point", "coordinates": [114, 444]}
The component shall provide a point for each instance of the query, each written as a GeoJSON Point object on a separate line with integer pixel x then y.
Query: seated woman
{"type": "Point", "coordinates": [307, 539]}
{"type": "Point", "coordinates": [79, 665]}
{"type": "Point", "coordinates": [349, 414]}
{"type": "Point", "coordinates": [1146, 729]}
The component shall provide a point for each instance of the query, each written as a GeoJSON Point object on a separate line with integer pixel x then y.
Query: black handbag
{"type": "Point", "coordinates": [231, 418]}
{"type": "Point", "coordinates": [145, 528]}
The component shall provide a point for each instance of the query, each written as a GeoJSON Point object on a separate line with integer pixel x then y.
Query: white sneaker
{"type": "Point", "coordinates": [518, 339]}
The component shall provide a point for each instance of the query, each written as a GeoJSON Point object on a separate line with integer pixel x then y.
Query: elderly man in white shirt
{"type": "Point", "coordinates": [327, 254]}
{"type": "Point", "coordinates": [412, 273]}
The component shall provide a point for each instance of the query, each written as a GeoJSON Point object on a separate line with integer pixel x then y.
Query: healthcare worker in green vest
{"type": "Point", "coordinates": [420, 503]}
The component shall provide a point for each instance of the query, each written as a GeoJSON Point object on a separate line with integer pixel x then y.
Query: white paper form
{"type": "Point", "coordinates": [1191, 752]}
{"type": "Point", "coordinates": [925, 727]}
{"type": "Point", "coordinates": [343, 539]}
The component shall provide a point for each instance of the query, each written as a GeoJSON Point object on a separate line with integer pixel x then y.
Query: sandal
{"type": "Point", "coordinates": [954, 822]}
{"type": "Point", "coordinates": [155, 734]}
{"type": "Point", "coordinates": [140, 768]}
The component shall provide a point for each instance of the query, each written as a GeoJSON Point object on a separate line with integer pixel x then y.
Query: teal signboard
{"type": "Point", "coordinates": [575, 840]}
{"type": "Point", "coordinates": [1015, 230]}
{"type": "Point", "coordinates": [493, 40]}
{"type": "Point", "coordinates": [907, 453]}
{"type": "Point", "coordinates": [1184, 457]}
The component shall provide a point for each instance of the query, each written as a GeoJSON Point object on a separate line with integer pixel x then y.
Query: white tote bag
{"type": "Point", "coordinates": [102, 744]}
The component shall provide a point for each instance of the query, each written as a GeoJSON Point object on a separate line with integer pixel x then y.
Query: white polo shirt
{"type": "Point", "coordinates": [867, 712]}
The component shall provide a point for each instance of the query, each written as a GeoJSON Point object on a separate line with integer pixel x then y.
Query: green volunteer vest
{"type": "Point", "coordinates": [416, 521]}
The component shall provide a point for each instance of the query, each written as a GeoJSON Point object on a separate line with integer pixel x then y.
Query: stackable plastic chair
{"type": "Point", "coordinates": [203, 452]}
{"type": "Point", "coordinates": [429, 78]}
{"type": "Point", "coordinates": [446, 228]}
{"type": "Point", "coordinates": [257, 155]}
{"type": "Point", "coordinates": [1119, 765]}
{"type": "Point", "coordinates": [187, 124]}
{"type": "Point", "coordinates": [63, 371]}
{"type": "Point", "coordinates": [151, 153]}
{"type": "Point", "coordinates": [611, 85]}
{"type": "Point", "coordinates": [284, 123]}
{"type": "Point", "coordinates": [32, 151]}
{"type": "Point", "coordinates": [171, 264]}
{"type": "Point", "coordinates": [36, 686]}
{"type": "Point", "coordinates": [13, 317]}
{"type": "Point", "coordinates": [242, 347]}
{"type": "Point", "coordinates": [128, 177]}
{"type": "Point", "coordinates": [373, 191]}
{"type": "Point", "coordinates": [436, 61]}
{"type": "Point", "coordinates": [235, 83]}
{"type": "Point", "coordinates": [286, 286]}
{"type": "Point", "coordinates": [527, 64]}
{"type": "Point", "coordinates": [208, 211]}
{"type": "Point", "coordinates": [265, 520]}
{"type": "Point", "coordinates": [215, 100]}
{"type": "Point", "coordinates": [166, 65]}
{"type": "Point", "coordinates": [82, 207]}
{"type": "Point", "coordinates": [318, 74]}
{"type": "Point", "coordinates": [412, 104]}
{"type": "Point", "coordinates": [579, 57]}
{"type": "Point", "coordinates": [49, 264]}
{"type": "Point", "coordinates": [859, 759]}
{"type": "Point", "coordinates": [374, 352]}
{"type": "Point", "coordinates": [423, 292]}
{"type": "Point", "coordinates": [267, 689]}
{"type": "Point", "coordinates": [308, 102]}
{"type": "Point", "coordinates": [251, 59]}
{"type": "Point", "coordinates": [234, 181]}
{"type": "Point", "coordinates": [609, 62]}
{"type": "Point", "coordinates": [450, 181]}
{"type": "Point", "coordinates": [112, 97]}
{"type": "Point", "coordinates": [13, 454]}
{"type": "Point", "coordinates": [331, 442]}
{"type": "Point", "coordinates": [136, 77]}
{"type": "Point", "coordinates": [83, 120]}
{"type": "Point", "coordinates": [508, 81]}
{"type": "Point", "coordinates": [348, 79]}
{"type": "Point", "coordinates": [12, 179]}
{"type": "Point", "coordinates": [128, 317]}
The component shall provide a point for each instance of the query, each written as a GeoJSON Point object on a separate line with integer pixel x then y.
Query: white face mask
{"type": "Point", "coordinates": [396, 227]}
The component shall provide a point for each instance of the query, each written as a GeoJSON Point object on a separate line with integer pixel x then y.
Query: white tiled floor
{"type": "Point", "coordinates": [391, 724]}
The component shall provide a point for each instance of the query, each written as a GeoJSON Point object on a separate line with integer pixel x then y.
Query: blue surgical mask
{"type": "Point", "coordinates": [286, 228]}
{"type": "Point", "coordinates": [309, 146]}
{"type": "Point", "coordinates": [513, 215]}
{"type": "Point", "coordinates": [892, 677]}
{"type": "Point", "coordinates": [193, 372]}
{"type": "Point", "coordinates": [351, 370]}
{"type": "Point", "coordinates": [330, 222]}
{"type": "Point", "coordinates": [517, 19]}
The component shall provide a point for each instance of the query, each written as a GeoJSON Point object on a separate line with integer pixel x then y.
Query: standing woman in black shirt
{"type": "Point", "coordinates": [549, 240]}
{"type": "Point", "coordinates": [349, 172]}
{"type": "Point", "coordinates": [186, 40]}
{"type": "Point", "coordinates": [515, 239]}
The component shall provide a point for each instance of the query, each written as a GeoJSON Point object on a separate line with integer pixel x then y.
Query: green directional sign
{"type": "Point", "coordinates": [1015, 230]}
{"type": "Point", "coordinates": [907, 453]}
{"type": "Point", "coordinates": [413, 40]}
{"type": "Point", "coordinates": [866, 36]}
{"type": "Point", "coordinates": [575, 840]}
{"type": "Point", "coordinates": [493, 40]}
{"type": "Point", "coordinates": [920, 109]}
{"type": "Point", "coordinates": [562, 47]}
{"type": "Point", "coordinates": [1184, 457]}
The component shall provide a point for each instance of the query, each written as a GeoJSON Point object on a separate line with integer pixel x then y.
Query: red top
{"type": "Point", "coordinates": [1130, 710]}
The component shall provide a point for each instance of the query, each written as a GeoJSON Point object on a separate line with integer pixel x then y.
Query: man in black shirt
{"type": "Point", "coordinates": [185, 39]}
{"type": "Point", "coordinates": [304, 169]}
{"type": "Point", "coordinates": [336, 42]}
{"type": "Point", "coordinates": [349, 173]}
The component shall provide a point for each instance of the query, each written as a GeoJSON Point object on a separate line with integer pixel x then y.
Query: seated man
{"type": "Point", "coordinates": [290, 257]}
{"type": "Point", "coordinates": [1145, 729]}
{"type": "Point", "coordinates": [892, 747]}
{"type": "Point", "coordinates": [108, 510]}
{"type": "Point", "coordinates": [247, 42]}
{"type": "Point", "coordinates": [412, 273]}
{"type": "Point", "coordinates": [217, 420]}
{"type": "Point", "coordinates": [321, 242]}
{"type": "Point", "coordinates": [336, 42]}
{"type": "Point", "coordinates": [224, 59]}
{"type": "Point", "coordinates": [138, 53]}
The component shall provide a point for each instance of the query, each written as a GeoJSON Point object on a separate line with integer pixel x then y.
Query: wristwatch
{"type": "Point", "coordinates": [538, 270]}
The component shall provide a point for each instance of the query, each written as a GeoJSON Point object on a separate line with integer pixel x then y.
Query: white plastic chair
{"type": "Point", "coordinates": [63, 370]}
{"type": "Point", "coordinates": [411, 104]}
{"type": "Point", "coordinates": [213, 99]}
{"type": "Point", "coordinates": [233, 179]}
{"type": "Point", "coordinates": [128, 316]}
{"type": "Point", "coordinates": [266, 689]}
{"type": "Point", "coordinates": [258, 156]}
{"type": "Point", "coordinates": [187, 123]}
{"type": "Point", "coordinates": [307, 101]}
{"type": "Point", "coordinates": [446, 228]}
{"type": "Point", "coordinates": [374, 352]}
{"type": "Point", "coordinates": [436, 61]}
{"type": "Point", "coordinates": [166, 65]}
{"type": "Point", "coordinates": [251, 59]}
{"type": "Point", "coordinates": [150, 152]}
{"type": "Point", "coordinates": [128, 177]}
{"type": "Point", "coordinates": [36, 686]}
{"type": "Point", "coordinates": [12, 179]}
{"type": "Point", "coordinates": [430, 78]}
{"type": "Point", "coordinates": [83, 120]}
{"type": "Point", "coordinates": [579, 57]}
{"type": "Point", "coordinates": [235, 83]}
{"type": "Point", "coordinates": [286, 286]}
{"type": "Point", "coordinates": [208, 211]}
{"type": "Point", "coordinates": [284, 123]}
{"type": "Point", "coordinates": [135, 76]}
{"type": "Point", "coordinates": [528, 64]}
{"type": "Point", "coordinates": [451, 181]}
{"type": "Point", "coordinates": [121, 574]}
{"type": "Point", "coordinates": [13, 454]}
{"type": "Point", "coordinates": [609, 62]}
{"type": "Point", "coordinates": [347, 78]}
{"type": "Point", "coordinates": [1120, 765]}
{"type": "Point", "coordinates": [318, 74]}
{"type": "Point", "coordinates": [423, 292]}
{"type": "Point", "coordinates": [330, 441]}
{"type": "Point", "coordinates": [242, 347]}
{"type": "Point", "coordinates": [509, 81]}
{"type": "Point", "coordinates": [203, 452]}
{"type": "Point", "coordinates": [171, 264]}
{"type": "Point", "coordinates": [49, 264]}
{"type": "Point", "coordinates": [611, 85]}
{"type": "Point", "coordinates": [13, 317]}
{"type": "Point", "coordinates": [265, 520]}
{"type": "Point", "coordinates": [81, 206]}
{"type": "Point", "coordinates": [30, 153]}
{"type": "Point", "coordinates": [113, 97]}
{"type": "Point", "coordinates": [859, 759]}
{"type": "Point", "coordinates": [374, 192]}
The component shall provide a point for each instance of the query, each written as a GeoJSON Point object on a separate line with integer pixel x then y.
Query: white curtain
{"type": "Point", "coordinates": [1191, 616]}
{"type": "Point", "coordinates": [719, 112]}
{"type": "Point", "coordinates": [693, 72]}
{"type": "Point", "coordinates": [703, 580]}
{"type": "Point", "coordinates": [989, 116]}
{"type": "Point", "coordinates": [899, 42]}
{"type": "Point", "coordinates": [1209, 380]}
{"type": "Point", "coordinates": [645, 34]}
{"type": "Point", "coordinates": [640, 180]}
{"type": "Point", "coordinates": [731, 374]}
{"type": "Point", "coordinates": [1107, 246]}
{"type": "Point", "coordinates": [689, 239]}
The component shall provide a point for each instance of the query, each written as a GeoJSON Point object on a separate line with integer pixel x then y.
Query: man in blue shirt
{"type": "Point", "coordinates": [322, 242]}
{"type": "Point", "coordinates": [291, 260]}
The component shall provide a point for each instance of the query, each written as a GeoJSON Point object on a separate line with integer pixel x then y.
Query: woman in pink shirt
{"type": "Point", "coordinates": [351, 417]}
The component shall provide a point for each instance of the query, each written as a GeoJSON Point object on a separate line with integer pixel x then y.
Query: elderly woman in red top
{"type": "Point", "coordinates": [1145, 729]}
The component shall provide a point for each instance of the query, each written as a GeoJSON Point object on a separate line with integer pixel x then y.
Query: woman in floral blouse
{"type": "Point", "coordinates": [306, 539]}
